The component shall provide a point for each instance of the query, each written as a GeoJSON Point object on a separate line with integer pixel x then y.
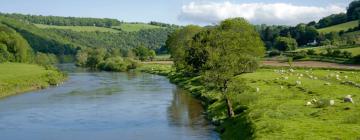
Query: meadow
{"type": "Point", "coordinates": [132, 27]}
{"type": "Point", "coordinates": [78, 28]}
{"type": "Point", "coordinates": [339, 27]}
{"type": "Point", "coordinates": [18, 77]}
{"type": "Point", "coordinates": [276, 104]}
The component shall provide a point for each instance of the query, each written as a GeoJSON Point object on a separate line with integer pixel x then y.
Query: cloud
{"type": "Point", "coordinates": [257, 13]}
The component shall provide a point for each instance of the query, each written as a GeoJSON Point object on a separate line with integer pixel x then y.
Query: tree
{"type": "Point", "coordinates": [178, 42]}
{"type": "Point", "coordinates": [152, 55]}
{"type": "Point", "coordinates": [353, 11]}
{"type": "Point", "coordinates": [285, 44]}
{"type": "Point", "coordinates": [95, 57]}
{"type": "Point", "coordinates": [233, 48]}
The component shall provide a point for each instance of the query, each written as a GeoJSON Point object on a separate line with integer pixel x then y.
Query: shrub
{"type": "Point", "coordinates": [346, 54]}
{"type": "Point", "coordinates": [113, 64]}
{"type": "Point", "coordinates": [300, 55]}
{"type": "Point", "coordinates": [274, 53]}
{"type": "Point", "coordinates": [311, 52]}
{"type": "Point", "coordinates": [357, 59]}
{"type": "Point", "coordinates": [286, 44]}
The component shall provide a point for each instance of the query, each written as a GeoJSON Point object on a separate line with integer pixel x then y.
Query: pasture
{"type": "Point", "coordinates": [78, 28]}
{"type": "Point", "coordinates": [132, 27]}
{"type": "Point", "coordinates": [339, 27]}
{"type": "Point", "coordinates": [276, 103]}
{"type": "Point", "coordinates": [17, 78]}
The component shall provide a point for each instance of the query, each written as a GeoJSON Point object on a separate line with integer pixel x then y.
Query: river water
{"type": "Point", "coordinates": [105, 106]}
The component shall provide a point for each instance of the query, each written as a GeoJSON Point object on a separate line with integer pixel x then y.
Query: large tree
{"type": "Point", "coordinates": [232, 48]}
{"type": "Point", "coordinates": [353, 11]}
{"type": "Point", "coordinates": [178, 42]}
{"type": "Point", "coordinates": [285, 44]}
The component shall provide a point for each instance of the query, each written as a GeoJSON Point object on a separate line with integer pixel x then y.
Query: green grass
{"type": "Point", "coordinates": [278, 110]}
{"type": "Point", "coordinates": [79, 28]}
{"type": "Point", "coordinates": [339, 27]}
{"type": "Point", "coordinates": [16, 78]}
{"type": "Point", "coordinates": [355, 50]}
{"type": "Point", "coordinates": [132, 27]}
{"type": "Point", "coordinates": [163, 57]}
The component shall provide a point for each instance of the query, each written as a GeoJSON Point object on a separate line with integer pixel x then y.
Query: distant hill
{"type": "Point", "coordinates": [340, 27]}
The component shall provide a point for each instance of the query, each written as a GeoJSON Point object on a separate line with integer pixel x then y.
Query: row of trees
{"type": "Point", "coordinates": [218, 53]}
{"type": "Point", "coordinates": [65, 21]}
{"type": "Point", "coordinates": [103, 59]}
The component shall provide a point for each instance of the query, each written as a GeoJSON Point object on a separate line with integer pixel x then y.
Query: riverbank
{"type": "Point", "coordinates": [275, 107]}
{"type": "Point", "coordinates": [17, 78]}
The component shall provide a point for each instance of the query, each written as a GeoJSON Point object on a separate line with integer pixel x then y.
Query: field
{"type": "Point", "coordinates": [275, 104]}
{"type": "Point", "coordinates": [131, 27]}
{"type": "Point", "coordinates": [16, 78]}
{"type": "Point", "coordinates": [79, 28]}
{"type": "Point", "coordinates": [340, 27]}
{"type": "Point", "coordinates": [355, 50]}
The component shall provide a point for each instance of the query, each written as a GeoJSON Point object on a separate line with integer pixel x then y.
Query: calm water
{"type": "Point", "coordinates": [105, 106]}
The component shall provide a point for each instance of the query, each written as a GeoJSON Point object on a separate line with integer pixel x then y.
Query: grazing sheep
{"type": "Point", "coordinates": [299, 77]}
{"type": "Point", "coordinates": [332, 102]}
{"type": "Point", "coordinates": [257, 89]}
{"type": "Point", "coordinates": [281, 87]}
{"type": "Point", "coordinates": [308, 103]}
{"type": "Point", "coordinates": [313, 101]}
{"type": "Point", "coordinates": [328, 84]}
{"type": "Point", "coordinates": [346, 77]}
{"type": "Point", "coordinates": [286, 78]}
{"type": "Point", "coordinates": [315, 78]}
{"type": "Point", "coordinates": [298, 82]}
{"type": "Point", "coordinates": [291, 70]}
{"type": "Point", "coordinates": [348, 99]}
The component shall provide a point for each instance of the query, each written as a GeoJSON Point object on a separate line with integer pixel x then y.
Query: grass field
{"type": "Point", "coordinates": [130, 27]}
{"type": "Point", "coordinates": [16, 78]}
{"type": "Point", "coordinates": [355, 50]}
{"type": "Point", "coordinates": [79, 28]}
{"type": "Point", "coordinates": [278, 109]}
{"type": "Point", "coordinates": [339, 27]}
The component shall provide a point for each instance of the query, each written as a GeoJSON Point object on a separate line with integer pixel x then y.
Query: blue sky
{"type": "Point", "coordinates": [182, 11]}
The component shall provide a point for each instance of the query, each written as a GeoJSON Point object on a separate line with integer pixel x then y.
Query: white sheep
{"type": "Point", "coordinates": [308, 103]}
{"type": "Point", "coordinates": [348, 99]}
{"type": "Point", "coordinates": [257, 89]}
{"type": "Point", "coordinates": [328, 84]}
{"type": "Point", "coordinates": [332, 102]}
{"type": "Point", "coordinates": [298, 82]}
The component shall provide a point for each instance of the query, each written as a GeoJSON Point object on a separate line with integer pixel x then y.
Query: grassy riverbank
{"type": "Point", "coordinates": [17, 78]}
{"type": "Point", "coordinates": [274, 106]}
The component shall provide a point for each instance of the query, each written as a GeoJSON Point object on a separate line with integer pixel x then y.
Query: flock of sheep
{"type": "Point", "coordinates": [309, 74]}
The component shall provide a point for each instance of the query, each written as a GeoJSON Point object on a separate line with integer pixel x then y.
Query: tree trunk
{"type": "Point", "coordinates": [230, 110]}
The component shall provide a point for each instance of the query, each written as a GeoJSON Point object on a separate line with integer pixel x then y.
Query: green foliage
{"type": "Point", "coordinates": [356, 59]}
{"type": "Point", "coordinates": [285, 44]}
{"type": "Point", "coordinates": [274, 53]}
{"type": "Point", "coordinates": [333, 19]}
{"type": "Point", "coordinates": [144, 53]}
{"type": "Point", "coordinates": [78, 28]}
{"type": "Point", "coordinates": [178, 42]}
{"type": "Point", "coordinates": [311, 52]}
{"type": "Point", "coordinates": [114, 64]}
{"type": "Point", "coordinates": [65, 21]}
{"type": "Point", "coordinates": [353, 11]}
{"type": "Point", "coordinates": [13, 47]}
{"type": "Point", "coordinates": [46, 60]}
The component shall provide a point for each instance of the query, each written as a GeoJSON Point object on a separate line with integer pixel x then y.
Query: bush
{"type": "Point", "coordinates": [274, 53]}
{"type": "Point", "coordinates": [113, 64]}
{"type": "Point", "coordinates": [286, 44]}
{"type": "Point", "coordinates": [357, 59]}
{"type": "Point", "coordinates": [311, 52]}
{"type": "Point", "coordinates": [346, 54]}
{"type": "Point", "coordinates": [300, 55]}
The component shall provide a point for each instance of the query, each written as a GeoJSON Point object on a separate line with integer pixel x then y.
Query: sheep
{"type": "Point", "coordinates": [346, 77]}
{"type": "Point", "coordinates": [328, 84]}
{"type": "Point", "coordinates": [332, 102]}
{"type": "Point", "coordinates": [257, 89]}
{"type": "Point", "coordinates": [281, 87]}
{"type": "Point", "coordinates": [298, 82]}
{"type": "Point", "coordinates": [308, 103]}
{"type": "Point", "coordinates": [315, 78]}
{"type": "Point", "coordinates": [348, 98]}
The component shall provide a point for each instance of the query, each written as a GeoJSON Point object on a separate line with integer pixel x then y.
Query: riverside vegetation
{"type": "Point", "coordinates": [271, 103]}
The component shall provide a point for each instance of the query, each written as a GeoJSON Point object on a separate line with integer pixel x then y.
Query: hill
{"type": "Point", "coordinates": [340, 27]}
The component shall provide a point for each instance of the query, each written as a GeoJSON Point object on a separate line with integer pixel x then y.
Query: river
{"type": "Point", "coordinates": [105, 106]}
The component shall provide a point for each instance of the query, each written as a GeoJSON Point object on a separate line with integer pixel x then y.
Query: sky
{"type": "Point", "coordinates": [183, 12]}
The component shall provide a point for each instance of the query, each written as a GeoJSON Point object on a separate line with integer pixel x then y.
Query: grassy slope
{"type": "Point", "coordinates": [16, 78]}
{"type": "Point", "coordinates": [339, 27]}
{"type": "Point", "coordinates": [79, 28]}
{"type": "Point", "coordinates": [275, 113]}
{"type": "Point", "coordinates": [130, 27]}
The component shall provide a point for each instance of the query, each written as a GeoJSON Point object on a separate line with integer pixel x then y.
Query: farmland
{"type": "Point", "coordinates": [132, 27]}
{"type": "Point", "coordinates": [275, 103]}
{"type": "Point", "coordinates": [340, 27]}
{"type": "Point", "coordinates": [78, 28]}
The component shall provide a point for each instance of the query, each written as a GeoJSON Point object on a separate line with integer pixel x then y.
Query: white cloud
{"type": "Point", "coordinates": [257, 13]}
